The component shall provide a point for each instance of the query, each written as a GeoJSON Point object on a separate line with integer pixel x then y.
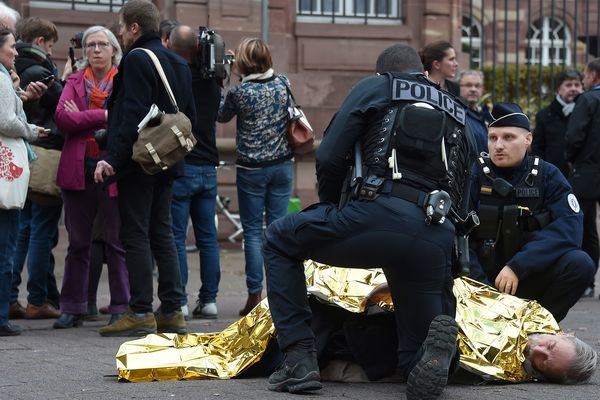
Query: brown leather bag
{"type": "Point", "coordinates": [300, 134]}
{"type": "Point", "coordinates": [163, 139]}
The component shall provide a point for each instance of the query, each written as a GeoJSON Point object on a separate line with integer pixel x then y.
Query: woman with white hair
{"type": "Point", "coordinates": [80, 113]}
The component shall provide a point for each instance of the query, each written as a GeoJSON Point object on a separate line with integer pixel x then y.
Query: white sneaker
{"type": "Point", "coordinates": [206, 311]}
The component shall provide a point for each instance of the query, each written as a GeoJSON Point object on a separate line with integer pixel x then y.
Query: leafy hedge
{"type": "Point", "coordinates": [535, 90]}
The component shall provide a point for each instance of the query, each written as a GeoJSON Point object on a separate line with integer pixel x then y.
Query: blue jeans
{"type": "Point", "coordinates": [194, 195]}
{"type": "Point", "coordinates": [38, 234]}
{"type": "Point", "coordinates": [9, 226]}
{"type": "Point", "coordinates": [265, 189]}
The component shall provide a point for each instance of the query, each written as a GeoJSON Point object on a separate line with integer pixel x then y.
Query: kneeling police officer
{"type": "Point", "coordinates": [529, 240]}
{"type": "Point", "coordinates": [415, 157]}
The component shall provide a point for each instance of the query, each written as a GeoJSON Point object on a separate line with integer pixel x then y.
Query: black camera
{"type": "Point", "coordinates": [77, 40]}
{"type": "Point", "coordinates": [211, 57]}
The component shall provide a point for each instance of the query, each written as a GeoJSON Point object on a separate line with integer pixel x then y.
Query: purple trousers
{"type": "Point", "coordinates": [81, 207]}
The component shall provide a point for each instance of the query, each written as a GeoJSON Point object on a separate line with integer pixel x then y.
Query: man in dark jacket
{"type": "Point", "coordinates": [145, 200]}
{"type": "Point", "coordinates": [194, 194]}
{"type": "Point", "coordinates": [551, 122]}
{"type": "Point", "coordinates": [582, 150]}
{"type": "Point", "coordinates": [38, 225]}
{"type": "Point", "coordinates": [471, 89]}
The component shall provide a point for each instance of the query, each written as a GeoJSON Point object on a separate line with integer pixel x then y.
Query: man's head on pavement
{"type": "Point", "coordinates": [8, 17]}
{"type": "Point", "coordinates": [569, 84]}
{"type": "Point", "coordinates": [591, 75]}
{"type": "Point", "coordinates": [398, 58]}
{"type": "Point", "coordinates": [184, 42]}
{"type": "Point", "coordinates": [560, 358]}
{"type": "Point", "coordinates": [471, 86]}
{"type": "Point", "coordinates": [509, 135]}
{"type": "Point", "coordinates": [136, 18]}
{"type": "Point", "coordinates": [38, 31]}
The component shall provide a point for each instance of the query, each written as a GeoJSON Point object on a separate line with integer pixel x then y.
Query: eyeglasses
{"type": "Point", "coordinates": [100, 45]}
{"type": "Point", "coordinates": [472, 85]}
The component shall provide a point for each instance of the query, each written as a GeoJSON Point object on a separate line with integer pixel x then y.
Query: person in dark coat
{"type": "Point", "coordinates": [145, 200]}
{"type": "Point", "coordinates": [582, 150]}
{"type": "Point", "coordinates": [551, 122]}
{"type": "Point", "coordinates": [529, 241]}
{"type": "Point", "coordinates": [38, 224]}
{"type": "Point", "coordinates": [471, 89]}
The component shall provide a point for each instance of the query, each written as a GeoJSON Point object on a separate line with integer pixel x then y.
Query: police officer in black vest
{"type": "Point", "coordinates": [529, 240]}
{"type": "Point", "coordinates": [411, 153]}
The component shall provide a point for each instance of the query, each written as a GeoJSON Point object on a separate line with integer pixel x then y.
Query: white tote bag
{"type": "Point", "coordinates": [14, 172]}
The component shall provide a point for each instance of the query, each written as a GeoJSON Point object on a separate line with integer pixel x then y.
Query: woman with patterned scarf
{"type": "Point", "coordinates": [81, 112]}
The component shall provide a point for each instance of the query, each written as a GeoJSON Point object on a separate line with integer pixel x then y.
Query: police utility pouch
{"type": "Point", "coordinates": [163, 139]}
{"type": "Point", "coordinates": [437, 206]}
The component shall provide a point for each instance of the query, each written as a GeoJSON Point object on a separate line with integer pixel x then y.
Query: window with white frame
{"type": "Point", "coordinates": [548, 42]}
{"type": "Point", "coordinates": [349, 11]}
{"type": "Point", "coordinates": [471, 41]}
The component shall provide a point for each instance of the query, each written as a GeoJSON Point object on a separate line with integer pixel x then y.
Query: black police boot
{"type": "Point", "coordinates": [428, 378]}
{"type": "Point", "coordinates": [301, 375]}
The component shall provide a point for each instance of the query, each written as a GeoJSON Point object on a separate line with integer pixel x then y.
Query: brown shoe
{"type": "Point", "coordinates": [16, 311]}
{"type": "Point", "coordinates": [253, 300]}
{"type": "Point", "coordinates": [45, 311]}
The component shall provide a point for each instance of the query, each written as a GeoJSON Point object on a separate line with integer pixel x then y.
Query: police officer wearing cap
{"type": "Point", "coordinates": [529, 241]}
{"type": "Point", "coordinates": [410, 151]}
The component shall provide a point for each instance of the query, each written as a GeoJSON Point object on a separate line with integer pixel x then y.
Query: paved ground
{"type": "Point", "coordinates": [44, 363]}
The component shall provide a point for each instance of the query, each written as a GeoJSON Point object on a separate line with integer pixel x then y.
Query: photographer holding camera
{"type": "Point", "coordinates": [195, 192]}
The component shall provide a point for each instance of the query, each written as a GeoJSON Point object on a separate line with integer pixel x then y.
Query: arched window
{"type": "Point", "coordinates": [548, 42]}
{"type": "Point", "coordinates": [471, 40]}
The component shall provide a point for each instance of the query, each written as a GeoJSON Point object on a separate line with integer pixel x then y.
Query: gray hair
{"type": "Point", "coordinates": [584, 363]}
{"type": "Point", "coordinates": [8, 16]}
{"type": "Point", "coordinates": [118, 53]}
{"type": "Point", "coordinates": [466, 72]}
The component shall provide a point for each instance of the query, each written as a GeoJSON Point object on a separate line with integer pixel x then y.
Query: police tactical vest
{"type": "Point", "coordinates": [508, 221]}
{"type": "Point", "coordinates": [421, 139]}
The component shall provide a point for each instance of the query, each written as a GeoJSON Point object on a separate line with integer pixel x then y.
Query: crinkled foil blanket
{"type": "Point", "coordinates": [492, 337]}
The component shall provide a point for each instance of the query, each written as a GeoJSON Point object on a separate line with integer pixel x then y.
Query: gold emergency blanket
{"type": "Point", "coordinates": [492, 337]}
{"type": "Point", "coordinates": [221, 355]}
{"type": "Point", "coordinates": [494, 328]}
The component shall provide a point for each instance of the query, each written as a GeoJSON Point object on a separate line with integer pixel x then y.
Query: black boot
{"type": "Point", "coordinates": [10, 330]}
{"type": "Point", "coordinates": [429, 377]}
{"type": "Point", "coordinates": [297, 374]}
{"type": "Point", "coordinates": [68, 321]}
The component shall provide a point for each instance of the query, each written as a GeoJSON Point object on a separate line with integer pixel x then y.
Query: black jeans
{"type": "Point", "coordinates": [387, 232]}
{"type": "Point", "coordinates": [146, 232]}
{"type": "Point", "coordinates": [560, 286]}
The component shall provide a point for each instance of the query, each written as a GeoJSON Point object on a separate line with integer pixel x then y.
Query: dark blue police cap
{"type": "Point", "coordinates": [509, 114]}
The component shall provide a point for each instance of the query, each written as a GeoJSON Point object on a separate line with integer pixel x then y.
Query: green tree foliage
{"type": "Point", "coordinates": [532, 87]}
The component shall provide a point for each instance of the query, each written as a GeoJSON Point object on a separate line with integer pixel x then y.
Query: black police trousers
{"type": "Point", "coordinates": [387, 232]}
{"type": "Point", "coordinates": [560, 286]}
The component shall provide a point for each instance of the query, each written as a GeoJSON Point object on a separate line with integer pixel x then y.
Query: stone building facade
{"type": "Point", "coordinates": [324, 54]}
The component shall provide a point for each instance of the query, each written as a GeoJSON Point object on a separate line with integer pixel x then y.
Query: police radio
{"type": "Point", "coordinates": [437, 206]}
